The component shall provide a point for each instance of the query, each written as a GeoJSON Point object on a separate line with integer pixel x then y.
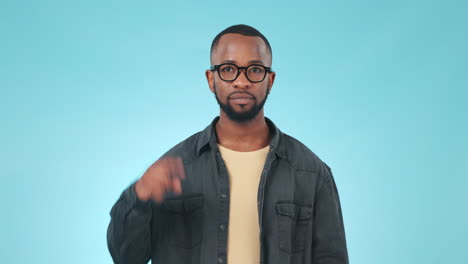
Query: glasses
{"type": "Point", "coordinates": [229, 72]}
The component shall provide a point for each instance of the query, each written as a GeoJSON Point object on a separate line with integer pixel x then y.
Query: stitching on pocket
{"type": "Point", "coordinates": [293, 225]}
{"type": "Point", "coordinates": [186, 220]}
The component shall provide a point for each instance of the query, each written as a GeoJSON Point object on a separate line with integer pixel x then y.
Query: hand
{"type": "Point", "coordinates": [163, 176]}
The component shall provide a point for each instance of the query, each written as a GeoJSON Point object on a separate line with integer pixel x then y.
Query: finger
{"type": "Point", "coordinates": [167, 181]}
{"type": "Point", "coordinates": [176, 186]}
{"type": "Point", "coordinates": [175, 166]}
{"type": "Point", "coordinates": [158, 193]}
{"type": "Point", "coordinates": [162, 185]}
{"type": "Point", "coordinates": [179, 168]}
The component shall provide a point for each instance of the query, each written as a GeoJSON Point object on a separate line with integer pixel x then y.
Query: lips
{"type": "Point", "coordinates": [241, 98]}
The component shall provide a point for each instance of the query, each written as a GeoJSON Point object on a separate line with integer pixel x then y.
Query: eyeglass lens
{"type": "Point", "coordinates": [229, 72]}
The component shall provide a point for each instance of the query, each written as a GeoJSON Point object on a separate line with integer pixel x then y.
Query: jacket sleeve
{"type": "Point", "coordinates": [129, 231]}
{"type": "Point", "coordinates": [328, 239]}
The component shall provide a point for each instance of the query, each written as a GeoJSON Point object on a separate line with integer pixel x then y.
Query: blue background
{"type": "Point", "coordinates": [92, 92]}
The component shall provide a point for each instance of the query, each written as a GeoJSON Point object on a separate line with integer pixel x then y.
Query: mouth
{"type": "Point", "coordinates": [241, 100]}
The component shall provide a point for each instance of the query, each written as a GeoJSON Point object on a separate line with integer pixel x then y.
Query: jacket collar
{"type": "Point", "coordinates": [207, 138]}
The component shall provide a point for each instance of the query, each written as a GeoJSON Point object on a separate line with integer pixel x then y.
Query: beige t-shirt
{"type": "Point", "coordinates": [244, 170]}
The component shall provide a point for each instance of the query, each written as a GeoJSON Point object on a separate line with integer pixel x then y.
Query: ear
{"type": "Point", "coordinates": [271, 80]}
{"type": "Point", "coordinates": [210, 78]}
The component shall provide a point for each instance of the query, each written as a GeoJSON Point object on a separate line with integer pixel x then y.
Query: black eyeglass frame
{"type": "Point", "coordinates": [216, 68]}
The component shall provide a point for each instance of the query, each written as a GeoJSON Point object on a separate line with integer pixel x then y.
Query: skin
{"type": "Point", "coordinates": [166, 174]}
{"type": "Point", "coordinates": [242, 51]}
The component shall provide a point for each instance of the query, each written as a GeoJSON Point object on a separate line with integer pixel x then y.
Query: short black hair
{"type": "Point", "coordinates": [243, 30]}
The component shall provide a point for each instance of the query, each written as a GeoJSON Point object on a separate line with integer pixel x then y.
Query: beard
{"type": "Point", "coordinates": [244, 116]}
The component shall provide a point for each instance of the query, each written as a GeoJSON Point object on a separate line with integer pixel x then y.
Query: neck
{"type": "Point", "coordinates": [248, 136]}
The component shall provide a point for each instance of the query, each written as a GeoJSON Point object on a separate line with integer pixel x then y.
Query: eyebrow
{"type": "Point", "coordinates": [250, 62]}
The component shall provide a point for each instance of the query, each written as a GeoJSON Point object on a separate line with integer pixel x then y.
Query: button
{"type": "Point", "coordinates": [221, 227]}
{"type": "Point", "coordinates": [220, 260]}
{"type": "Point", "coordinates": [223, 196]}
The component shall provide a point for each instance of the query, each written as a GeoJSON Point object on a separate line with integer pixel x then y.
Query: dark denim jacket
{"type": "Point", "coordinates": [298, 205]}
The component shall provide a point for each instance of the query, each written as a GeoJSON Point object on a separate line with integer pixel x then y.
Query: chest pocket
{"type": "Point", "coordinates": [294, 226]}
{"type": "Point", "coordinates": [185, 220]}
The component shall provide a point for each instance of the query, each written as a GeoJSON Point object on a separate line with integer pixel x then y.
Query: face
{"type": "Point", "coordinates": [241, 100]}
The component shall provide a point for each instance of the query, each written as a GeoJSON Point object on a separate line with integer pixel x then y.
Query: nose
{"type": "Point", "coordinates": [241, 82]}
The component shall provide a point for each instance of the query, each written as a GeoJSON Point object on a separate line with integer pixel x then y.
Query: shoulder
{"type": "Point", "coordinates": [301, 157]}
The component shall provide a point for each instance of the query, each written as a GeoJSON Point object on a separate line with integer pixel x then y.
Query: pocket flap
{"type": "Point", "coordinates": [294, 211]}
{"type": "Point", "coordinates": [184, 205]}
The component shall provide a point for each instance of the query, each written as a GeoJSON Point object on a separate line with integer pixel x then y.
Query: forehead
{"type": "Point", "coordinates": [241, 50]}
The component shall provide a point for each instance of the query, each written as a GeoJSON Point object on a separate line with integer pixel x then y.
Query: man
{"type": "Point", "coordinates": [238, 192]}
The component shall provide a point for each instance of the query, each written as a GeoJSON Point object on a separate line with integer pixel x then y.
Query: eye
{"type": "Point", "coordinates": [227, 68]}
{"type": "Point", "coordinates": [256, 69]}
